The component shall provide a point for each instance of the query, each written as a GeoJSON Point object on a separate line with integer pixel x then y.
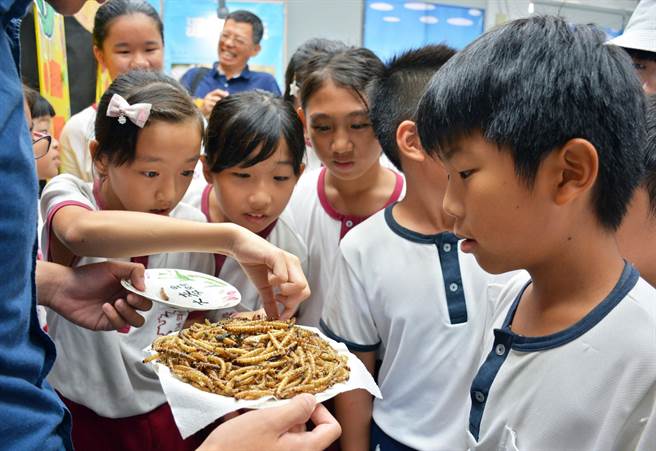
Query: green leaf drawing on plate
{"type": "Point", "coordinates": [209, 281]}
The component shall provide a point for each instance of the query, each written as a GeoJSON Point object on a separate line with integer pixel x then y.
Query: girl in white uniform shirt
{"type": "Point", "coordinates": [148, 139]}
{"type": "Point", "coordinates": [253, 158]}
{"type": "Point", "coordinates": [127, 34]}
{"type": "Point", "coordinates": [352, 185]}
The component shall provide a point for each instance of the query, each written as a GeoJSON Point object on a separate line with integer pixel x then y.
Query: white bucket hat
{"type": "Point", "coordinates": [640, 32]}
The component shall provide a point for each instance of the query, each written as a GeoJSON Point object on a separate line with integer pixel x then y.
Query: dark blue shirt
{"type": "Point", "coordinates": [31, 414]}
{"type": "Point", "coordinates": [248, 80]}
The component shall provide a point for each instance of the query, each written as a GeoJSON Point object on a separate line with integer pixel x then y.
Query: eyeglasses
{"type": "Point", "coordinates": [40, 151]}
{"type": "Point", "coordinates": [237, 40]}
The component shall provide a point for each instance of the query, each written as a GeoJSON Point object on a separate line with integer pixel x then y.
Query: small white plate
{"type": "Point", "coordinates": [187, 290]}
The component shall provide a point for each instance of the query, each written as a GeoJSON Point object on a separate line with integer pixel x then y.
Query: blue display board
{"type": "Point", "coordinates": [192, 31]}
{"type": "Point", "coordinates": [394, 25]}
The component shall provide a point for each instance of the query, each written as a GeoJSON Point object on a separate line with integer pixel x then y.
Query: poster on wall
{"type": "Point", "coordinates": [51, 61]}
{"type": "Point", "coordinates": [395, 25]}
{"type": "Point", "coordinates": [192, 34]}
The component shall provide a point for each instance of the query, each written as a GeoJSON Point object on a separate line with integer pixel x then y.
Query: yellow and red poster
{"type": "Point", "coordinates": [85, 17]}
{"type": "Point", "coordinates": [51, 58]}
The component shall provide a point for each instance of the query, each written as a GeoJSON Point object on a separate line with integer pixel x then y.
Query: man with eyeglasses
{"type": "Point", "coordinates": [239, 41]}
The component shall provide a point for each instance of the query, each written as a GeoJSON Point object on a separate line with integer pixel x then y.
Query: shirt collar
{"type": "Point", "coordinates": [245, 73]}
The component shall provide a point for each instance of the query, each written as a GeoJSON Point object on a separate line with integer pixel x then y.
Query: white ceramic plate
{"type": "Point", "coordinates": [187, 290]}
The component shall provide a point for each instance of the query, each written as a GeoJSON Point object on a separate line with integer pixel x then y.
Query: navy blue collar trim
{"type": "Point", "coordinates": [349, 344]}
{"type": "Point", "coordinates": [625, 284]}
{"type": "Point", "coordinates": [245, 74]}
{"type": "Point", "coordinates": [411, 235]}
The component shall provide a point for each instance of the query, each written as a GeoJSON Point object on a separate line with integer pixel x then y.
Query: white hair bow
{"type": "Point", "coordinates": [120, 108]}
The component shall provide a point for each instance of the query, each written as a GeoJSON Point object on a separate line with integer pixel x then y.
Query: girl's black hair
{"type": "Point", "coordinates": [295, 71]}
{"type": "Point", "coordinates": [116, 8]}
{"type": "Point", "coordinates": [170, 103]}
{"type": "Point", "coordinates": [242, 122]}
{"type": "Point", "coordinates": [350, 68]}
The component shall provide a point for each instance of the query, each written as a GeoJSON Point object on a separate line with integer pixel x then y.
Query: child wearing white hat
{"type": "Point", "coordinates": [639, 40]}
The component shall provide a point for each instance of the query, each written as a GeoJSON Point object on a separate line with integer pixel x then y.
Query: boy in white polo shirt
{"type": "Point", "coordinates": [541, 129]}
{"type": "Point", "coordinates": [403, 290]}
{"type": "Point", "coordinates": [639, 226]}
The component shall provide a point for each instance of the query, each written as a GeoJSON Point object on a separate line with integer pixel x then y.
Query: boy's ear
{"type": "Point", "coordinates": [207, 173]}
{"type": "Point", "coordinates": [407, 140]}
{"type": "Point", "coordinates": [99, 164]}
{"type": "Point", "coordinates": [577, 165]}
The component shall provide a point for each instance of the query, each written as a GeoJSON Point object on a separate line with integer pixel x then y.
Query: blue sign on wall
{"type": "Point", "coordinates": [192, 31]}
{"type": "Point", "coordinates": [392, 26]}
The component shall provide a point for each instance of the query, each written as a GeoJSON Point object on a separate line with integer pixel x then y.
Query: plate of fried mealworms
{"type": "Point", "coordinates": [187, 290]}
{"type": "Point", "coordinates": [210, 369]}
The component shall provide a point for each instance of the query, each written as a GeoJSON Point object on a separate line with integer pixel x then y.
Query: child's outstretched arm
{"type": "Point", "coordinates": [76, 231]}
{"type": "Point", "coordinates": [353, 411]}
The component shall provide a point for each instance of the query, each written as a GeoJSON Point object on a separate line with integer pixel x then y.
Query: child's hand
{"type": "Point", "coordinates": [271, 268]}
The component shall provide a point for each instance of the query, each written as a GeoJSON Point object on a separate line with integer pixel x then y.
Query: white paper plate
{"type": "Point", "coordinates": [193, 409]}
{"type": "Point", "coordinates": [187, 290]}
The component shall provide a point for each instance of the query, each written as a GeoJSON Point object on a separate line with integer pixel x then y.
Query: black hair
{"type": "Point", "coordinates": [114, 9]}
{"type": "Point", "coordinates": [295, 72]}
{"type": "Point", "coordinates": [395, 94]}
{"type": "Point", "coordinates": [641, 54]}
{"type": "Point", "coordinates": [170, 103]}
{"type": "Point", "coordinates": [531, 85]}
{"type": "Point", "coordinates": [30, 96]}
{"type": "Point", "coordinates": [242, 122]}
{"type": "Point", "coordinates": [649, 179]}
{"type": "Point", "coordinates": [351, 68]}
{"type": "Point", "coordinates": [243, 16]}
{"type": "Point", "coordinates": [40, 107]}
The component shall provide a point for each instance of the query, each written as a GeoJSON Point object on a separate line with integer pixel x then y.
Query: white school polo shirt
{"type": "Point", "coordinates": [103, 370]}
{"type": "Point", "coordinates": [589, 387]}
{"type": "Point", "coordinates": [74, 142]}
{"type": "Point", "coordinates": [322, 228]}
{"type": "Point", "coordinates": [426, 303]}
{"type": "Point", "coordinates": [280, 233]}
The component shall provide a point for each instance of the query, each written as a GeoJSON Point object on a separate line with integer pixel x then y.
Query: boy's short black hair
{"type": "Point", "coordinates": [393, 97]}
{"type": "Point", "coordinates": [533, 84]}
{"type": "Point", "coordinates": [243, 16]}
{"type": "Point", "coordinates": [242, 122]}
{"type": "Point", "coordinates": [649, 179]}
